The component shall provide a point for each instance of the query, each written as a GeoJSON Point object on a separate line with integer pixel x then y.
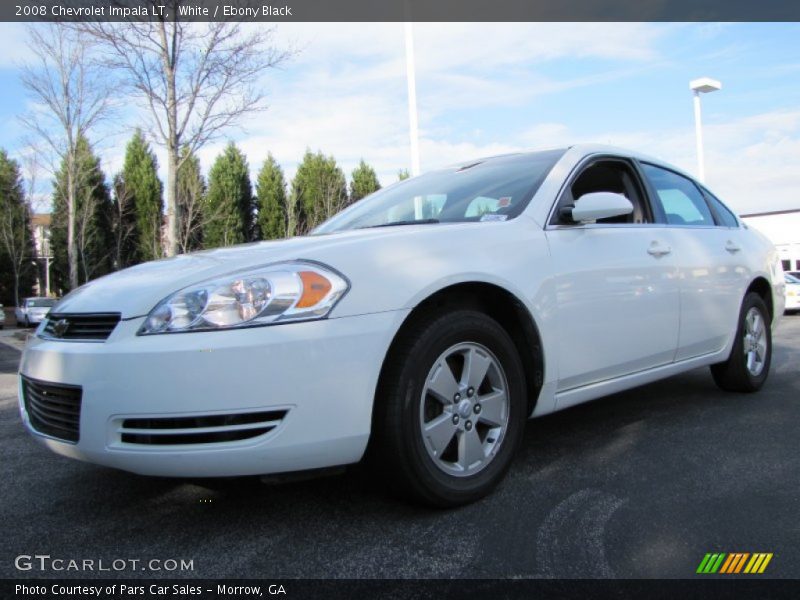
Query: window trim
{"type": "Point", "coordinates": [655, 199]}
{"type": "Point", "coordinates": [717, 218]}
{"type": "Point", "coordinates": [588, 161]}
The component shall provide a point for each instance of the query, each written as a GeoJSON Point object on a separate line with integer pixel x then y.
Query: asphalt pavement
{"type": "Point", "coordinates": [639, 484]}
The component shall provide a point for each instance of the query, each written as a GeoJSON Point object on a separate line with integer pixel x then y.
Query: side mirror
{"type": "Point", "coordinates": [600, 205]}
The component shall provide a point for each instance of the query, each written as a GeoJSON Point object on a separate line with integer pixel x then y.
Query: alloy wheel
{"type": "Point", "coordinates": [755, 341]}
{"type": "Point", "coordinates": [464, 409]}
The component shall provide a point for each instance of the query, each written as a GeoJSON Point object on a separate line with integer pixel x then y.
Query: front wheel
{"type": "Point", "coordinates": [748, 365]}
{"type": "Point", "coordinates": [451, 408]}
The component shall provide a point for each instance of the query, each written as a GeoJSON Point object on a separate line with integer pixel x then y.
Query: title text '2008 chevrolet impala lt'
{"type": "Point", "coordinates": [420, 326]}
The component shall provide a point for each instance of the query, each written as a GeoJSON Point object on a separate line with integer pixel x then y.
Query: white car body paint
{"type": "Point", "coordinates": [610, 315]}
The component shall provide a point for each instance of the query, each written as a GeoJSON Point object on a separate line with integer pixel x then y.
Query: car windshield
{"type": "Point", "coordinates": [41, 303]}
{"type": "Point", "coordinates": [791, 279]}
{"type": "Point", "coordinates": [494, 189]}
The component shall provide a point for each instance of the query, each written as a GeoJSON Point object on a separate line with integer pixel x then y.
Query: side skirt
{"type": "Point", "coordinates": [592, 391]}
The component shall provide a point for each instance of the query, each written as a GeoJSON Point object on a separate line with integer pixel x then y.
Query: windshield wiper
{"type": "Point", "coordinates": [394, 223]}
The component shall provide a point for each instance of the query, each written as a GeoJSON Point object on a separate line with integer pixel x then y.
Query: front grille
{"type": "Point", "coordinates": [87, 327]}
{"type": "Point", "coordinates": [206, 429]}
{"type": "Point", "coordinates": [53, 409]}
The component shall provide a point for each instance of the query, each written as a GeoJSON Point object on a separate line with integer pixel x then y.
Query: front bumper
{"type": "Point", "coordinates": [792, 302]}
{"type": "Point", "coordinates": [322, 373]}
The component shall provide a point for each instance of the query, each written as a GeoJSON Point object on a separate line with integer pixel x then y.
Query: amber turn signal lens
{"type": "Point", "coordinates": [315, 288]}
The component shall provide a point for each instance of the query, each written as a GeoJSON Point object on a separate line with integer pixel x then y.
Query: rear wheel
{"type": "Point", "coordinates": [747, 367]}
{"type": "Point", "coordinates": [451, 409]}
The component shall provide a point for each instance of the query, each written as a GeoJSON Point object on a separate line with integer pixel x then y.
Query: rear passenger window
{"type": "Point", "coordinates": [682, 201]}
{"type": "Point", "coordinates": [724, 216]}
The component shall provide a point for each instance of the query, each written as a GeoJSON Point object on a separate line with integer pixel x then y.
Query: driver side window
{"type": "Point", "coordinates": [607, 175]}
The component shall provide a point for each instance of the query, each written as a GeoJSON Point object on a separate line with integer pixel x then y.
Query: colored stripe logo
{"type": "Point", "coordinates": [734, 563]}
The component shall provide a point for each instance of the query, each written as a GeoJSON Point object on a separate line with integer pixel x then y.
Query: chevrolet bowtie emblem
{"type": "Point", "coordinates": [60, 327]}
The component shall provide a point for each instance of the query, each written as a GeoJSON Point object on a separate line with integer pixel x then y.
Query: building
{"type": "Point", "coordinates": [782, 227]}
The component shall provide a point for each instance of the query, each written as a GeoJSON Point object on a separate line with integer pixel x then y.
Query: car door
{"type": "Point", "coordinates": [616, 287]}
{"type": "Point", "coordinates": [709, 258]}
{"type": "Point", "coordinates": [734, 268]}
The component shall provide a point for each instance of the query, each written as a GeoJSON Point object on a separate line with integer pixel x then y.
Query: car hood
{"type": "Point", "coordinates": [134, 292]}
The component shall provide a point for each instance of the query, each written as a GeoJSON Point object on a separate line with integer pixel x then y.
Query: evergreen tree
{"type": "Point", "coordinates": [402, 174]}
{"type": "Point", "coordinates": [319, 191]}
{"type": "Point", "coordinates": [123, 226]}
{"type": "Point", "coordinates": [191, 195]}
{"type": "Point", "coordinates": [16, 238]}
{"type": "Point", "coordinates": [228, 207]}
{"type": "Point", "coordinates": [271, 194]}
{"type": "Point", "coordinates": [363, 182]}
{"type": "Point", "coordinates": [141, 183]}
{"type": "Point", "coordinates": [93, 220]}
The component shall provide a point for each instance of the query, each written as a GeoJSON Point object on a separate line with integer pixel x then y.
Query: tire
{"type": "Point", "coordinates": [414, 387]}
{"type": "Point", "coordinates": [747, 367]}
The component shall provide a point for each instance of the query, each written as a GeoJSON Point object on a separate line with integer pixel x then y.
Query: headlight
{"type": "Point", "coordinates": [278, 293]}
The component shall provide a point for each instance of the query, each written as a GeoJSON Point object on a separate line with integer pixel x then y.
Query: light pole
{"type": "Point", "coordinates": [411, 80]}
{"type": "Point", "coordinates": [704, 85]}
{"type": "Point", "coordinates": [47, 260]}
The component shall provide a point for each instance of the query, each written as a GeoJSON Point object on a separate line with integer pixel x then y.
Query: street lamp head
{"type": "Point", "coordinates": [704, 85]}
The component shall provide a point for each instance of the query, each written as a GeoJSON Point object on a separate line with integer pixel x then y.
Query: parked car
{"type": "Point", "coordinates": [33, 310]}
{"type": "Point", "coordinates": [792, 293]}
{"type": "Point", "coordinates": [2, 317]}
{"type": "Point", "coordinates": [422, 326]}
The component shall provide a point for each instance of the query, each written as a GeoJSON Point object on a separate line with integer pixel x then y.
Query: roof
{"type": "Point", "coordinates": [582, 149]}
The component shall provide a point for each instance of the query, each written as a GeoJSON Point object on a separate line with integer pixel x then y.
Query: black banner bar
{"type": "Point", "coordinates": [283, 11]}
{"type": "Point", "coordinates": [552, 589]}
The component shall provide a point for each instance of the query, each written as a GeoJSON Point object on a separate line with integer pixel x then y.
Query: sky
{"type": "Point", "coordinates": [485, 88]}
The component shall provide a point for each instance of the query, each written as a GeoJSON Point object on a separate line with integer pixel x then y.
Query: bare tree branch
{"type": "Point", "coordinates": [195, 79]}
{"type": "Point", "coordinates": [72, 97]}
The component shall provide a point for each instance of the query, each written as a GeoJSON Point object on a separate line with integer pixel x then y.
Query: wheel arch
{"type": "Point", "coordinates": [503, 306]}
{"type": "Point", "coordinates": [762, 287]}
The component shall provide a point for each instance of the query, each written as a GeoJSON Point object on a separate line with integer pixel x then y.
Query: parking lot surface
{"type": "Point", "coordinates": [639, 484]}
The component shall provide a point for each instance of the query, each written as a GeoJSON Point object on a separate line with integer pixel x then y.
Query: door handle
{"type": "Point", "coordinates": [732, 247]}
{"type": "Point", "coordinates": [658, 250]}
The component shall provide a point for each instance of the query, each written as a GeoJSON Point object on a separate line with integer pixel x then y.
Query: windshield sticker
{"type": "Point", "coordinates": [494, 217]}
{"type": "Point", "coordinates": [504, 201]}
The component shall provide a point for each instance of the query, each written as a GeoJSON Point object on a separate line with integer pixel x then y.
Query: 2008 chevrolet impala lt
{"type": "Point", "coordinates": [420, 326]}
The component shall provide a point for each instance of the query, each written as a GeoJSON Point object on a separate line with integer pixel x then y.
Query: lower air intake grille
{"type": "Point", "coordinates": [53, 409]}
{"type": "Point", "coordinates": [80, 327]}
{"type": "Point", "coordinates": [207, 429]}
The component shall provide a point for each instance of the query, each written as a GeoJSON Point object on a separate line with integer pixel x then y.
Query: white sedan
{"type": "Point", "coordinates": [32, 311]}
{"type": "Point", "coordinates": [792, 292]}
{"type": "Point", "coordinates": [421, 326]}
